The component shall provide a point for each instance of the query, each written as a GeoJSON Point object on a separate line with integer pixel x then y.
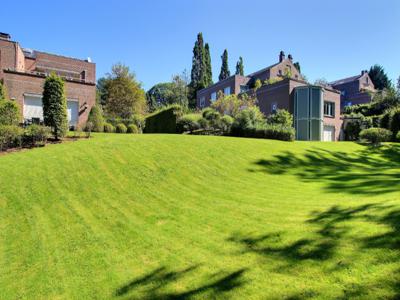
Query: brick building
{"type": "Point", "coordinates": [23, 72]}
{"type": "Point", "coordinates": [354, 90]}
{"type": "Point", "coordinates": [316, 110]}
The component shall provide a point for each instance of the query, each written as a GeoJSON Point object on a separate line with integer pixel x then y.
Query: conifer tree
{"type": "Point", "coordinates": [207, 65]}
{"type": "Point", "coordinates": [225, 73]}
{"type": "Point", "coordinates": [240, 67]}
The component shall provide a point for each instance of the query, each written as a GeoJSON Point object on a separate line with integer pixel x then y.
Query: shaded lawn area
{"type": "Point", "coordinates": [195, 217]}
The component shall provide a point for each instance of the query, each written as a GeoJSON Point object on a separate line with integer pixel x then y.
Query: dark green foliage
{"type": "Point", "coordinates": [225, 73]}
{"type": "Point", "coordinates": [132, 128]}
{"type": "Point", "coordinates": [247, 119]}
{"type": "Point", "coordinates": [354, 123]}
{"type": "Point", "coordinates": [101, 91]}
{"type": "Point", "coordinates": [398, 137]}
{"type": "Point", "coordinates": [109, 128]}
{"type": "Point", "coordinates": [282, 117]}
{"type": "Point", "coordinates": [55, 106]}
{"type": "Point", "coordinates": [226, 123]}
{"type": "Point", "coordinates": [10, 137]}
{"type": "Point", "coordinates": [36, 135]}
{"type": "Point", "coordinates": [297, 66]}
{"type": "Point", "coordinates": [395, 122]}
{"type": "Point", "coordinates": [240, 67]}
{"type": "Point", "coordinates": [121, 128]}
{"type": "Point", "coordinates": [163, 120]}
{"type": "Point", "coordinates": [379, 77]}
{"type": "Point", "coordinates": [267, 131]}
{"type": "Point", "coordinates": [96, 118]}
{"type": "Point", "coordinates": [207, 66]}
{"type": "Point", "coordinates": [3, 92]}
{"type": "Point", "coordinates": [198, 72]}
{"type": "Point", "coordinates": [9, 112]}
{"type": "Point", "coordinates": [385, 119]}
{"type": "Point", "coordinates": [188, 123]}
{"type": "Point", "coordinates": [167, 93]}
{"type": "Point", "coordinates": [123, 94]}
{"type": "Point", "coordinates": [376, 135]}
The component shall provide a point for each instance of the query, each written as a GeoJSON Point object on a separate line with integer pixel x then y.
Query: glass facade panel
{"type": "Point", "coordinates": [316, 126]}
{"type": "Point", "coordinates": [302, 130]}
{"type": "Point", "coordinates": [316, 103]}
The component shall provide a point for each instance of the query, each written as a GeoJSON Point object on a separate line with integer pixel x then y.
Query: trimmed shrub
{"type": "Point", "coordinates": [163, 120]}
{"type": "Point", "coordinates": [109, 128]}
{"type": "Point", "coordinates": [96, 118]}
{"type": "Point", "coordinates": [226, 123]}
{"type": "Point", "coordinates": [132, 129]}
{"type": "Point", "coordinates": [376, 135]}
{"type": "Point", "coordinates": [10, 136]}
{"type": "Point", "coordinates": [395, 122]}
{"type": "Point", "coordinates": [188, 123]}
{"type": "Point", "coordinates": [246, 119]}
{"type": "Point", "coordinates": [121, 128]}
{"type": "Point", "coordinates": [398, 137]}
{"type": "Point", "coordinates": [282, 117]}
{"type": "Point", "coordinates": [9, 112]}
{"type": "Point", "coordinates": [268, 131]}
{"type": "Point", "coordinates": [36, 135]}
{"type": "Point", "coordinates": [55, 105]}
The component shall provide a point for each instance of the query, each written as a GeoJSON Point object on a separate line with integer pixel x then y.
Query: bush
{"type": "Point", "coordinates": [246, 119]}
{"type": "Point", "coordinates": [55, 105]}
{"type": "Point", "coordinates": [282, 117]}
{"type": "Point", "coordinates": [163, 120]}
{"type": "Point", "coordinates": [398, 137]}
{"type": "Point", "coordinates": [376, 135]}
{"type": "Point", "coordinates": [10, 136]}
{"type": "Point", "coordinates": [188, 123]}
{"type": "Point", "coordinates": [36, 135]}
{"type": "Point", "coordinates": [226, 123]}
{"type": "Point", "coordinates": [132, 129]}
{"type": "Point", "coordinates": [9, 112]}
{"type": "Point", "coordinates": [109, 128]}
{"type": "Point", "coordinates": [268, 131]}
{"type": "Point", "coordinates": [395, 122]}
{"type": "Point", "coordinates": [96, 118]}
{"type": "Point", "coordinates": [121, 128]}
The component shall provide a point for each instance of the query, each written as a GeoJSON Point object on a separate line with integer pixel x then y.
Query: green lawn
{"type": "Point", "coordinates": [178, 217]}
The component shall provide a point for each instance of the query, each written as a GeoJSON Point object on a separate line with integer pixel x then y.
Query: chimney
{"type": "Point", "coordinates": [281, 56]}
{"type": "Point", "coordinates": [5, 36]}
{"type": "Point", "coordinates": [364, 72]}
{"type": "Point", "coordinates": [290, 57]}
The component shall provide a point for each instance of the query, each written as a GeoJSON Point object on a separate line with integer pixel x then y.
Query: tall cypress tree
{"type": "Point", "coordinates": [225, 73]}
{"type": "Point", "coordinates": [197, 76]}
{"type": "Point", "coordinates": [207, 65]}
{"type": "Point", "coordinates": [240, 67]}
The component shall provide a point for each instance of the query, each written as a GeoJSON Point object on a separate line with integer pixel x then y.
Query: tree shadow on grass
{"type": "Point", "coordinates": [332, 230]}
{"type": "Point", "coordinates": [369, 171]}
{"type": "Point", "coordinates": [153, 284]}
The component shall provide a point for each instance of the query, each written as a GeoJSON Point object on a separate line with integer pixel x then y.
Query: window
{"type": "Point", "coordinates": [202, 101]}
{"type": "Point", "coordinates": [244, 88]}
{"type": "Point", "coordinates": [227, 90]}
{"type": "Point", "coordinates": [343, 93]}
{"type": "Point", "coordinates": [280, 72]}
{"type": "Point", "coordinates": [274, 107]}
{"type": "Point", "coordinates": [329, 109]}
{"type": "Point", "coordinates": [213, 96]}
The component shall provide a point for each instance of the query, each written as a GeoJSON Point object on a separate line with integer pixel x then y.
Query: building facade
{"type": "Point", "coordinates": [285, 88]}
{"type": "Point", "coordinates": [23, 72]}
{"type": "Point", "coordinates": [354, 90]}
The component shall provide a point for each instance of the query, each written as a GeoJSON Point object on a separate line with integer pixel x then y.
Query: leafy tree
{"type": "Point", "coordinates": [240, 67]}
{"type": "Point", "coordinates": [297, 66]}
{"type": "Point", "coordinates": [225, 73]}
{"type": "Point", "coordinates": [232, 104]}
{"type": "Point", "coordinates": [9, 112]}
{"type": "Point", "coordinates": [207, 65]}
{"type": "Point", "coordinates": [3, 92]}
{"type": "Point", "coordinates": [197, 75]}
{"type": "Point", "coordinates": [55, 105]}
{"type": "Point", "coordinates": [282, 117]}
{"type": "Point", "coordinates": [96, 118]}
{"type": "Point", "coordinates": [257, 84]}
{"type": "Point", "coordinates": [166, 93]}
{"type": "Point", "coordinates": [379, 77]}
{"type": "Point", "coordinates": [321, 82]}
{"type": "Point", "coordinates": [123, 94]}
{"type": "Point", "coordinates": [398, 84]}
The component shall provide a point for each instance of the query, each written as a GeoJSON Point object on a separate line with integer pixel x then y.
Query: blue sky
{"type": "Point", "coordinates": [330, 39]}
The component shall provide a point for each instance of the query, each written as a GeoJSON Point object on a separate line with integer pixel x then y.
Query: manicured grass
{"type": "Point", "coordinates": [168, 216]}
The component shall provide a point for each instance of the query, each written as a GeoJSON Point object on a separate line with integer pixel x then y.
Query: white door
{"type": "Point", "coordinates": [33, 108]}
{"type": "Point", "coordinates": [329, 133]}
{"type": "Point", "coordinates": [72, 111]}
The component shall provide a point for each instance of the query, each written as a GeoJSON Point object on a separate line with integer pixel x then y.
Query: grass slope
{"type": "Point", "coordinates": [178, 217]}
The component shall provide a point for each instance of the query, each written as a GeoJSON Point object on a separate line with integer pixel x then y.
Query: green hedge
{"type": "Point", "coordinates": [376, 135]}
{"type": "Point", "coordinates": [163, 120]}
{"type": "Point", "coordinates": [268, 131]}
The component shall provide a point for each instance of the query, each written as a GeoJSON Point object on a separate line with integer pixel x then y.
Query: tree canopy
{"type": "Point", "coordinates": [207, 65]}
{"type": "Point", "coordinates": [240, 67]}
{"type": "Point", "coordinates": [379, 77]}
{"type": "Point", "coordinates": [225, 73]}
{"type": "Point", "coordinates": [122, 95]}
